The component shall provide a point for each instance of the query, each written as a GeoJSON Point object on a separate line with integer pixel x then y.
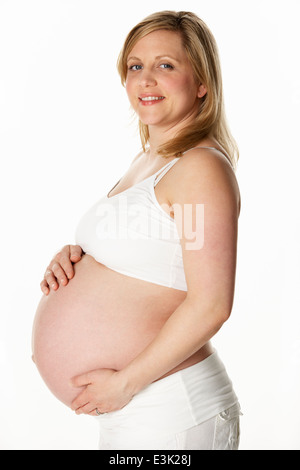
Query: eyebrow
{"type": "Point", "coordinates": [156, 58]}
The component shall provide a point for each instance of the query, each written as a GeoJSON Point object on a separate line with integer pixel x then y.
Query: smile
{"type": "Point", "coordinates": [152, 98]}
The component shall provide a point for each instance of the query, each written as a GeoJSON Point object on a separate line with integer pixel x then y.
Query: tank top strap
{"type": "Point", "coordinates": [164, 170]}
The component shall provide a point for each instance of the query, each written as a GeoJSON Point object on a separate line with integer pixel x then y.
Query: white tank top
{"type": "Point", "coordinates": [132, 234]}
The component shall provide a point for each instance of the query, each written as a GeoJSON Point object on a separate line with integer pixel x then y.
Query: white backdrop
{"type": "Point", "coordinates": [61, 108]}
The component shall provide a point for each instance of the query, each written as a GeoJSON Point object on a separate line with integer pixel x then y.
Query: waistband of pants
{"type": "Point", "coordinates": [177, 402]}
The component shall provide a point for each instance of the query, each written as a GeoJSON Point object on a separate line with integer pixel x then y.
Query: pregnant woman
{"type": "Point", "coordinates": [123, 329]}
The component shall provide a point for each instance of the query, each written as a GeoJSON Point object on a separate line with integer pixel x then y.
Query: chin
{"type": "Point", "coordinates": [154, 120]}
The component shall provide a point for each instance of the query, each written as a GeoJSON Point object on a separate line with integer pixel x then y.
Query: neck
{"type": "Point", "coordinates": [158, 135]}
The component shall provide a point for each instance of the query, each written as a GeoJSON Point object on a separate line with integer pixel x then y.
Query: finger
{"type": "Point", "coordinates": [81, 380]}
{"type": "Point", "coordinates": [86, 409]}
{"type": "Point", "coordinates": [59, 273]}
{"type": "Point", "coordinates": [79, 403]}
{"type": "Point", "coordinates": [45, 287]}
{"type": "Point", "coordinates": [75, 253]}
{"type": "Point", "coordinates": [49, 277]}
{"type": "Point", "coordinates": [66, 264]}
{"type": "Point", "coordinates": [81, 400]}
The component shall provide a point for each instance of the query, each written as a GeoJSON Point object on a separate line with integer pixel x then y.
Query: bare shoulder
{"type": "Point", "coordinates": [202, 163]}
{"type": "Point", "coordinates": [201, 173]}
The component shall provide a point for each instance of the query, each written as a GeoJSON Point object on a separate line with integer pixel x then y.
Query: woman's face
{"type": "Point", "coordinates": [160, 83]}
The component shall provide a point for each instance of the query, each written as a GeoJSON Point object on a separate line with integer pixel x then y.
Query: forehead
{"type": "Point", "coordinates": [159, 43]}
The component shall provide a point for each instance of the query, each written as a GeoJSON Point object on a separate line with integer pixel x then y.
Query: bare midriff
{"type": "Point", "coordinates": [101, 319]}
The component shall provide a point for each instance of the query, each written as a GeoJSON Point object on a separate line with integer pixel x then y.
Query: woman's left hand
{"type": "Point", "coordinates": [105, 391]}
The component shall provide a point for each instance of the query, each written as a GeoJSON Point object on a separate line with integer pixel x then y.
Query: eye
{"type": "Point", "coordinates": [166, 66]}
{"type": "Point", "coordinates": [135, 67]}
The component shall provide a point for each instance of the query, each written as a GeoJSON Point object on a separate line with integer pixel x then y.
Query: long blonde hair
{"type": "Point", "coordinates": [202, 51]}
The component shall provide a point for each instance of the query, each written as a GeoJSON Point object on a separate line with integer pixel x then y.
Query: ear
{"type": "Point", "coordinates": [202, 91]}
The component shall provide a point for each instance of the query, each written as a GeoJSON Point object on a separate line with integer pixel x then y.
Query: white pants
{"type": "Point", "coordinates": [219, 433]}
{"type": "Point", "coordinates": [192, 409]}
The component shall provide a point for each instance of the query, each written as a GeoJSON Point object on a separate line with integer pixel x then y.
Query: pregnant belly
{"type": "Point", "coordinates": [101, 319]}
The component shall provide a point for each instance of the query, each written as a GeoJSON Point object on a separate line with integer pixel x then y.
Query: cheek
{"type": "Point", "coordinates": [189, 86]}
{"type": "Point", "coordinates": [131, 90]}
{"type": "Point", "coordinates": [129, 87]}
{"type": "Point", "coordinates": [183, 88]}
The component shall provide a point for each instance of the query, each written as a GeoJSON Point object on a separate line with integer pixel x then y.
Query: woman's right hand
{"type": "Point", "coordinates": [61, 269]}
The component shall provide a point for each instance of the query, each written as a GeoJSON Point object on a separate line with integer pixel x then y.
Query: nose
{"type": "Point", "coordinates": [147, 79]}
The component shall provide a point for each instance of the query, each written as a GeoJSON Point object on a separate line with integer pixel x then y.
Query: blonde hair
{"type": "Point", "coordinates": [202, 51]}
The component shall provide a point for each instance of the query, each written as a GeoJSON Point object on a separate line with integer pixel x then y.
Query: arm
{"type": "Point", "coordinates": [210, 276]}
{"type": "Point", "coordinates": [209, 270]}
